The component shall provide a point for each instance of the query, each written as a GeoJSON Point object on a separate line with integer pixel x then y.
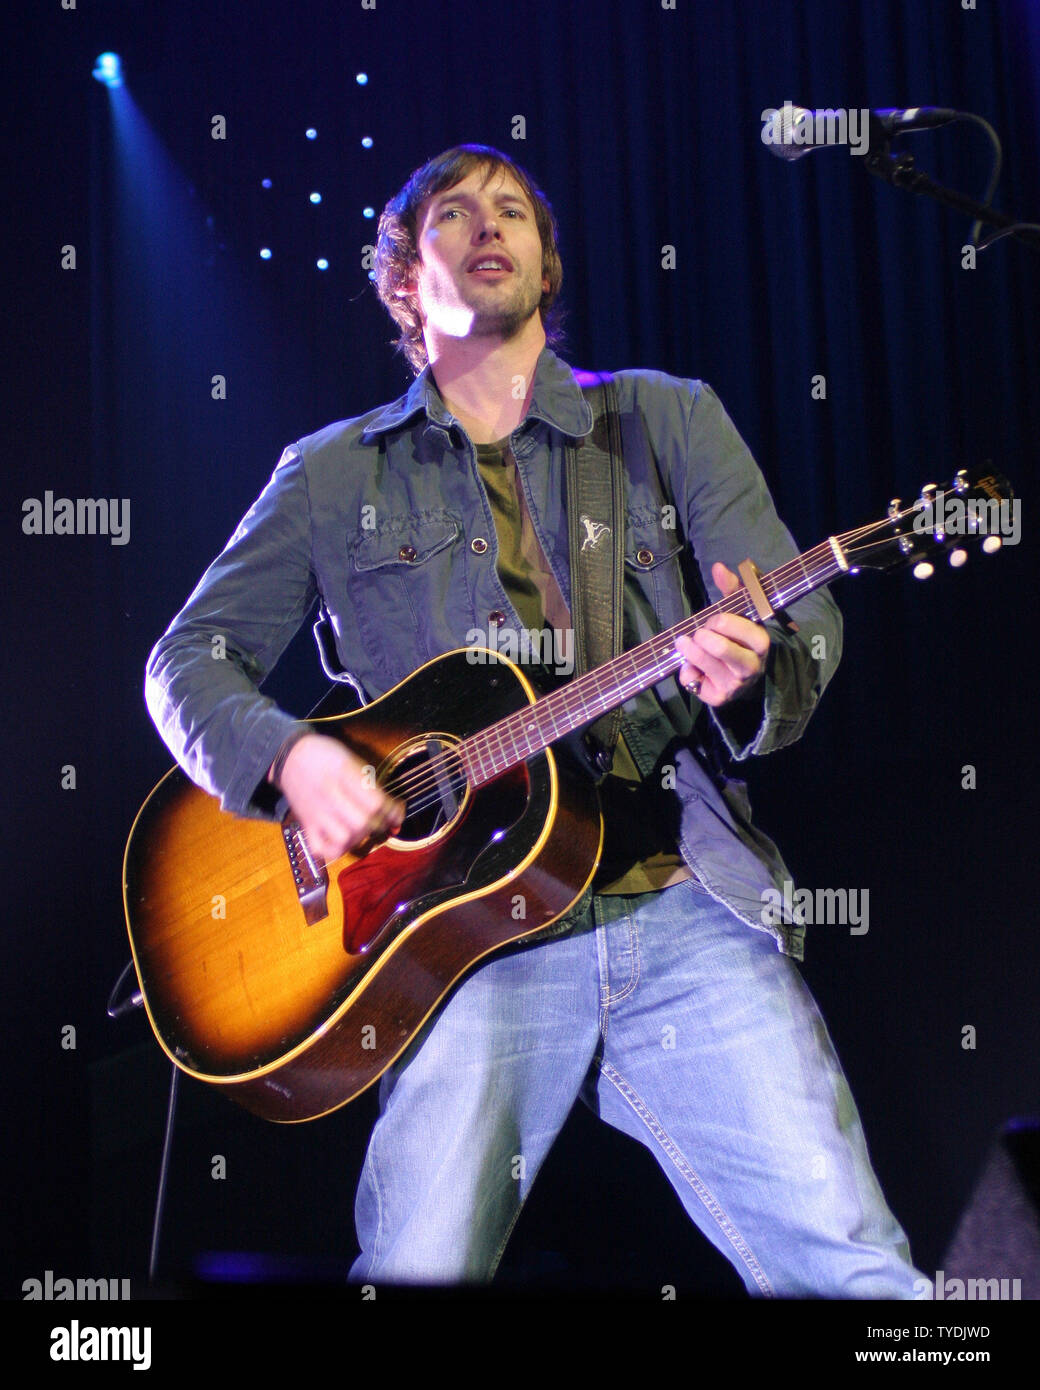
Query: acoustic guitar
{"type": "Point", "coordinates": [292, 983]}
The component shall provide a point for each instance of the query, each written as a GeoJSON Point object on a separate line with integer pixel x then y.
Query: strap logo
{"type": "Point", "coordinates": [594, 533]}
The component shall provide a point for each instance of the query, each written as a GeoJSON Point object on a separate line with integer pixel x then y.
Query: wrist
{"type": "Point", "coordinates": [276, 769]}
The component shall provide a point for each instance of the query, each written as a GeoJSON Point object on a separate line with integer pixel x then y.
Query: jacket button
{"type": "Point", "coordinates": [495, 618]}
{"type": "Point", "coordinates": [478, 545]}
{"type": "Point", "coordinates": [645, 557]}
{"type": "Point", "coordinates": [406, 553]}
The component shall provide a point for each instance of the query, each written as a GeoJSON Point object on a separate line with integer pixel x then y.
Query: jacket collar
{"type": "Point", "coordinates": [556, 399]}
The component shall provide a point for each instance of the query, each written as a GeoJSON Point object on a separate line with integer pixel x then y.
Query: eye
{"type": "Point", "coordinates": [512, 212]}
{"type": "Point", "coordinates": [449, 212]}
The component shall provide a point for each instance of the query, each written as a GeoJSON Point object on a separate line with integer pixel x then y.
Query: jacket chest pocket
{"type": "Point", "coordinates": [401, 578]}
{"type": "Point", "coordinates": [653, 557]}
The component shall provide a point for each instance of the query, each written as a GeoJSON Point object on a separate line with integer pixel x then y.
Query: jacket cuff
{"type": "Point", "coordinates": [776, 712]}
{"type": "Point", "coordinates": [248, 792]}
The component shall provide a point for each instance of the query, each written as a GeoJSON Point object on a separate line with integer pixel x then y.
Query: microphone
{"type": "Point", "coordinates": [793, 130]}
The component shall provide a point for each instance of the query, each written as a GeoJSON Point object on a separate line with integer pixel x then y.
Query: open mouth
{"type": "Point", "coordinates": [490, 265]}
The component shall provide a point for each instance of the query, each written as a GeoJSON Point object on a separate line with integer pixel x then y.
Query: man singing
{"type": "Point", "coordinates": [661, 998]}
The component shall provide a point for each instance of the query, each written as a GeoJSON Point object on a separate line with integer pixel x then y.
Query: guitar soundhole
{"type": "Point", "coordinates": [426, 773]}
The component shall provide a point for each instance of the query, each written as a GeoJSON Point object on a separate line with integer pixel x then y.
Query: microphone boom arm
{"type": "Point", "coordinates": [900, 170]}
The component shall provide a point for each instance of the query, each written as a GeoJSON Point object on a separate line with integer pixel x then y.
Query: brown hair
{"type": "Point", "coordinates": [397, 254]}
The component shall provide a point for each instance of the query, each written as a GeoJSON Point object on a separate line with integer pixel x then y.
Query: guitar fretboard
{"type": "Point", "coordinates": [581, 701]}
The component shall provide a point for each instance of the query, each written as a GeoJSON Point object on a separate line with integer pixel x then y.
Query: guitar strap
{"type": "Point", "coordinates": [596, 532]}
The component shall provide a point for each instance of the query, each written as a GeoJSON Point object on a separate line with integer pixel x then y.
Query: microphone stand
{"type": "Point", "coordinates": [901, 172]}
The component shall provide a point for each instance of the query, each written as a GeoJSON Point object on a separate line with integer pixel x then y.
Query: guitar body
{"type": "Point", "coordinates": [294, 986]}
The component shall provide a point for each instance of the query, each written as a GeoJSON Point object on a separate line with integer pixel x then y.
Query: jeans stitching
{"type": "Point", "coordinates": [633, 980]}
{"type": "Point", "coordinates": [606, 998]}
{"type": "Point", "coordinates": [680, 1161]}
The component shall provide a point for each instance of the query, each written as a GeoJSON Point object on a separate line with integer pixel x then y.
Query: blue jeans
{"type": "Point", "coordinates": [679, 1025]}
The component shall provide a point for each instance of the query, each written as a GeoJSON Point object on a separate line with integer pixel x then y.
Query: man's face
{"type": "Point", "coordinates": [480, 270]}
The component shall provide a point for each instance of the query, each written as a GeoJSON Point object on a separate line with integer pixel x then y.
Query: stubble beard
{"type": "Point", "coordinates": [509, 319]}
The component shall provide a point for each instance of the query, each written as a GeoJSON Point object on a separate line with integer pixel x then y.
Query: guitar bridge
{"type": "Point", "coordinates": [312, 880]}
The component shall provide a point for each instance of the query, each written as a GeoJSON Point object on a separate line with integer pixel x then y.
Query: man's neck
{"type": "Point", "coordinates": [487, 383]}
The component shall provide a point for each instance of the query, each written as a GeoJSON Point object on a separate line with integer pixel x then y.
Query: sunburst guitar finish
{"type": "Point", "coordinates": [294, 985]}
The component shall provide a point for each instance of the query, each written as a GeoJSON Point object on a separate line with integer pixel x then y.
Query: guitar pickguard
{"type": "Point", "coordinates": [391, 887]}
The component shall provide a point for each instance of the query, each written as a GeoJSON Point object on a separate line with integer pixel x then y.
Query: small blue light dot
{"type": "Point", "coordinates": [265, 253]}
{"type": "Point", "coordinates": [322, 263]}
{"type": "Point", "coordinates": [315, 197]}
{"type": "Point", "coordinates": [368, 212]}
{"type": "Point", "coordinates": [265, 183]}
{"type": "Point", "coordinates": [311, 133]}
{"type": "Point", "coordinates": [371, 275]}
{"type": "Point", "coordinates": [362, 78]}
{"type": "Point", "coordinates": [366, 142]}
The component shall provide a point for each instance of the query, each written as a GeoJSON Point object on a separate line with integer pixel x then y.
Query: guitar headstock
{"type": "Point", "coordinates": [972, 510]}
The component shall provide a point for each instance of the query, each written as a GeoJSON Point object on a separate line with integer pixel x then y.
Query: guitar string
{"type": "Point", "coordinates": [571, 700]}
{"type": "Point", "coordinates": [428, 779]}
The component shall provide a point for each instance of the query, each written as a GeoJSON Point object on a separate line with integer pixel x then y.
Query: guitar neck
{"type": "Point", "coordinates": [512, 740]}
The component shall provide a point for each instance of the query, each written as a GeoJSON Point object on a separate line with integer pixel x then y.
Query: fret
{"type": "Point", "coordinates": [497, 730]}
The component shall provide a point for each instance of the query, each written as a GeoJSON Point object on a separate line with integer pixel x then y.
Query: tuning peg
{"type": "Point", "coordinates": [893, 509]}
{"type": "Point", "coordinates": [992, 544]}
{"type": "Point", "coordinates": [958, 557]}
{"type": "Point", "coordinates": [923, 570]}
{"type": "Point", "coordinates": [960, 482]}
{"type": "Point", "coordinates": [928, 492]}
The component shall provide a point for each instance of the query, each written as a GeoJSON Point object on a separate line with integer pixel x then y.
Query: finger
{"type": "Point", "coordinates": [327, 844]}
{"type": "Point", "coordinates": [689, 673]}
{"type": "Point", "coordinates": [725, 579]}
{"type": "Point", "coordinates": [717, 677]}
{"type": "Point", "coordinates": [742, 663]}
{"type": "Point", "coordinates": [389, 820]}
{"type": "Point", "coordinates": [690, 678]}
{"type": "Point", "coordinates": [740, 631]}
{"type": "Point", "coordinates": [716, 654]}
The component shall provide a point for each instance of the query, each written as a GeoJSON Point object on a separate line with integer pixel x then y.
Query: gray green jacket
{"type": "Point", "coordinates": [378, 516]}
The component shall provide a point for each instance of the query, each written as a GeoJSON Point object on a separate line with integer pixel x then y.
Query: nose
{"type": "Point", "coordinates": [488, 227]}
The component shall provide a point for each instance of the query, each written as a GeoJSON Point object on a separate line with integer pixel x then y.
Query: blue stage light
{"type": "Point", "coordinates": [315, 197]}
{"type": "Point", "coordinates": [366, 142]}
{"type": "Point", "coordinates": [265, 183]}
{"type": "Point", "coordinates": [109, 69]}
{"type": "Point", "coordinates": [368, 212]}
{"type": "Point", "coordinates": [362, 78]}
{"type": "Point", "coordinates": [322, 263]}
{"type": "Point", "coordinates": [311, 133]}
{"type": "Point", "coordinates": [265, 253]}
